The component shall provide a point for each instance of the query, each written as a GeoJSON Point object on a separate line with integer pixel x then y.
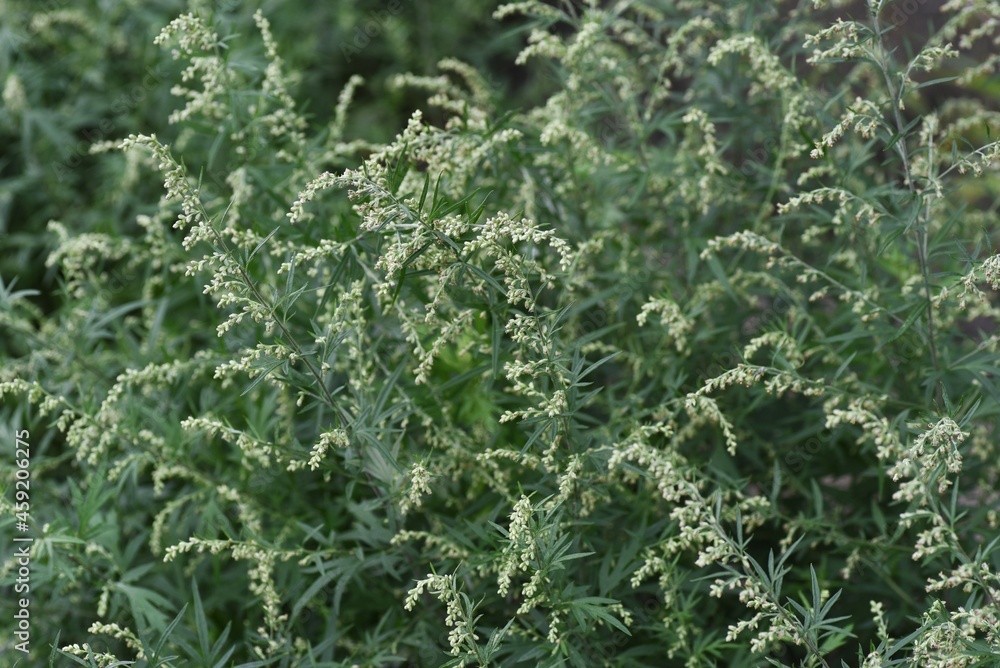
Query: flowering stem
{"type": "Point", "coordinates": [737, 551]}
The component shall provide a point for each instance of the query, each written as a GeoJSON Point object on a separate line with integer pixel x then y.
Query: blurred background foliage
{"type": "Point", "coordinates": [83, 72]}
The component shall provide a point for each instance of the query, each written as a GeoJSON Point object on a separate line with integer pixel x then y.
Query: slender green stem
{"type": "Point", "coordinates": [272, 310]}
{"type": "Point", "coordinates": [895, 99]}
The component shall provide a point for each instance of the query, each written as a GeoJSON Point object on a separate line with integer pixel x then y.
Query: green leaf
{"type": "Point", "coordinates": [900, 135]}
{"type": "Point", "coordinates": [147, 605]}
{"type": "Point", "coordinates": [475, 215]}
{"type": "Point", "coordinates": [260, 377]}
{"type": "Point", "coordinates": [910, 319]}
{"type": "Point", "coordinates": [167, 631]}
{"type": "Point", "coordinates": [889, 238]}
{"type": "Point", "coordinates": [496, 337]}
{"type": "Point", "coordinates": [934, 82]}
{"type": "Point", "coordinates": [423, 192]}
{"type": "Point", "coordinates": [201, 624]}
{"type": "Point", "coordinates": [261, 244]}
{"type": "Point", "coordinates": [595, 607]}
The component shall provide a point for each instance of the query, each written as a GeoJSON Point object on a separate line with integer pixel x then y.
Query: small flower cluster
{"type": "Point", "coordinates": [192, 37]}
{"type": "Point", "coordinates": [864, 210]}
{"type": "Point", "coordinates": [520, 550]}
{"type": "Point", "coordinates": [933, 455]}
{"type": "Point", "coordinates": [931, 56]}
{"type": "Point", "coordinates": [80, 255]}
{"type": "Point", "coordinates": [991, 271]}
{"type": "Point", "coordinates": [14, 99]}
{"type": "Point", "coordinates": [768, 71]}
{"type": "Point", "coordinates": [944, 637]}
{"type": "Point", "coordinates": [704, 409]}
{"type": "Point", "coordinates": [678, 326]}
{"type": "Point", "coordinates": [283, 121]}
{"type": "Point", "coordinates": [419, 487]}
{"type": "Point", "coordinates": [102, 659]}
{"type": "Point", "coordinates": [336, 438]}
{"type": "Point", "coordinates": [968, 576]}
{"type": "Point", "coordinates": [177, 188]}
{"type": "Point", "coordinates": [863, 115]}
{"type": "Point", "coordinates": [701, 133]}
{"type": "Point", "coordinates": [261, 578]}
{"type": "Point", "coordinates": [753, 595]}
{"type": "Point", "coordinates": [781, 342]}
{"type": "Point", "coordinates": [541, 44]}
{"type": "Point", "coordinates": [979, 160]}
{"type": "Point", "coordinates": [256, 452]}
{"type": "Point", "coordinates": [687, 42]}
{"type": "Point", "coordinates": [451, 331]}
{"type": "Point", "coordinates": [863, 412]}
{"type": "Point", "coordinates": [972, 22]}
{"type": "Point", "coordinates": [742, 239]}
{"type": "Point", "coordinates": [116, 631]}
{"type": "Point", "coordinates": [324, 181]}
{"type": "Point", "coordinates": [499, 230]}
{"type": "Point", "coordinates": [667, 468]}
{"type": "Point", "coordinates": [848, 39]}
{"type": "Point", "coordinates": [864, 304]}
{"type": "Point", "coordinates": [463, 637]}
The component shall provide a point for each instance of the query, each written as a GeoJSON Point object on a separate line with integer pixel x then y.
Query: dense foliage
{"type": "Point", "coordinates": [661, 334]}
